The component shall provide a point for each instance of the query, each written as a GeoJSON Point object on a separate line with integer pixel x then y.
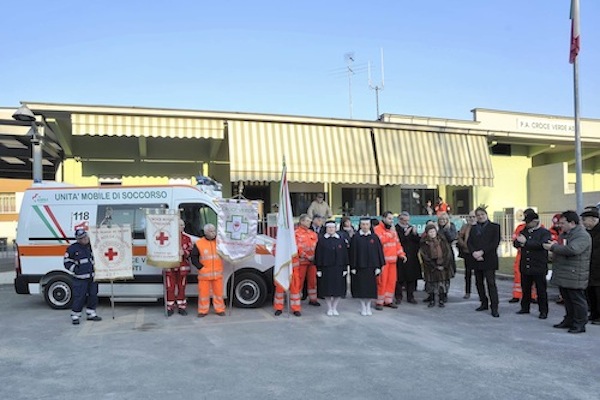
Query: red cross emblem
{"type": "Point", "coordinates": [162, 238]}
{"type": "Point", "coordinates": [111, 254]}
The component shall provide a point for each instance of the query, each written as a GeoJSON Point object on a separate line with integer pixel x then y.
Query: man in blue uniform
{"type": "Point", "coordinates": [80, 261]}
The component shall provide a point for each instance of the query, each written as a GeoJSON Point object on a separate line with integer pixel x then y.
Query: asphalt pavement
{"type": "Point", "coordinates": [414, 352]}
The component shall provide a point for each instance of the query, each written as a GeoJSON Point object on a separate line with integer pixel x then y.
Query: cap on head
{"type": "Point", "coordinates": [80, 233]}
{"type": "Point", "coordinates": [590, 212]}
{"type": "Point", "coordinates": [530, 216]}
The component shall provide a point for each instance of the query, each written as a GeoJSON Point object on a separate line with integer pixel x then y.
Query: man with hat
{"type": "Point", "coordinates": [590, 219]}
{"type": "Point", "coordinates": [517, 289]}
{"type": "Point", "coordinates": [533, 263]}
{"type": "Point", "coordinates": [79, 260]}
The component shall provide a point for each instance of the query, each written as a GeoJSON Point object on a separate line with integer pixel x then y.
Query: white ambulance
{"type": "Point", "coordinates": [51, 212]}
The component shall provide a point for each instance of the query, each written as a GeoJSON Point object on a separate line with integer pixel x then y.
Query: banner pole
{"type": "Point", "coordinates": [287, 296]}
{"type": "Point", "coordinates": [112, 298]}
{"type": "Point", "coordinates": [164, 276]}
{"type": "Point", "coordinates": [231, 289]}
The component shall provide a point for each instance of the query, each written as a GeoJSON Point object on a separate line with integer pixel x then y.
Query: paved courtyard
{"type": "Point", "coordinates": [410, 353]}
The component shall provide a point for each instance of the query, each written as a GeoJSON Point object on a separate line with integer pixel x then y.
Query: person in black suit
{"type": "Point", "coordinates": [483, 245]}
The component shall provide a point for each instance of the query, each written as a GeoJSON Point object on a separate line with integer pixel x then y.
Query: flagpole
{"type": "Point", "coordinates": [578, 166]}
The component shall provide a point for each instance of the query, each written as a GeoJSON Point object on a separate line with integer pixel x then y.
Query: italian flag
{"type": "Point", "coordinates": [574, 30]}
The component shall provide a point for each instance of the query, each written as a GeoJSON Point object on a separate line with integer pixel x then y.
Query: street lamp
{"type": "Point", "coordinates": [24, 114]}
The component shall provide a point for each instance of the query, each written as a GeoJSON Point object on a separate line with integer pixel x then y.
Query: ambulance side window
{"type": "Point", "coordinates": [195, 216]}
{"type": "Point", "coordinates": [132, 214]}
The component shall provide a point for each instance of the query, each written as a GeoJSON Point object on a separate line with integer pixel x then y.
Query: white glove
{"type": "Point", "coordinates": [353, 271]}
{"type": "Point", "coordinates": [377, 271]}
{"type": "Point", "coordinates": [319, 274]}
{"type": "Point", "coordinates": [345, 273]}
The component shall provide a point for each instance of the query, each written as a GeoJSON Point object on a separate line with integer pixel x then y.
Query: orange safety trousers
{"type": "Point", "coordinates": [206, 288]}
{"type": "Point", "coordinates": [386, 284]}
{"type": "Point", "coordinates": [296, 285]}
{"type": "Point", "coordinates": [517, 289]}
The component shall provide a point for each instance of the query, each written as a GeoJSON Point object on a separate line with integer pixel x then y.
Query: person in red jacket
{"type": "Point", "coordinates": [306, 241]}
{"type": "Point", "coordinates": [176, 278]}
{"type": "Point", "coordinates": [392, 250]}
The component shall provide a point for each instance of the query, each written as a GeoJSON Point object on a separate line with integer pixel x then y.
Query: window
{"type": "Point", "coordinates": [8, 203]}
{"type": "Point", "coordinates": [301, 202]}
{"type": "Point", "coordinates": [361, 201]}
{"type": "Point", "coordinates": [132, 214]}
{"type": "Point", "coordinates": [195, 216]}
{"type": "Point", "coordinates": [415, 200]}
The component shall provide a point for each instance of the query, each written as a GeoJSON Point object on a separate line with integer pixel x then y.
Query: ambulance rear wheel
{"type": "Point", "coordinates": [250, 290]}
{"type": "Point", "coordinates": [58, 292]}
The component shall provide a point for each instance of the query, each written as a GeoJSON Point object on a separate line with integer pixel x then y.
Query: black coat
{"type": "Point", "coordinates": [331, 259]}
{"type": "Point", "coordinates": [534, 259]}
{"type": "Point", "coordinates": [485, 237]}
{"type": "Point", "coordinates": [595, 257]}
{"type": "Point", "coordinates": [411, 269]}
{"type": "Point", "coordinates": [366, 255]}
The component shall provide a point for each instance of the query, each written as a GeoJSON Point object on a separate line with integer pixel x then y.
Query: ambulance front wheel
{"type": "Point", "coordinates": [58, 292]}
{"type": "Point", "coordinates": [250, 290]}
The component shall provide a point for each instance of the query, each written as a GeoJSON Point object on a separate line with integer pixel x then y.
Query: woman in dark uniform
{"type": "Point", "coordinates": [331, 259]}
{"type": "Point", "coordinates": [366, 262]}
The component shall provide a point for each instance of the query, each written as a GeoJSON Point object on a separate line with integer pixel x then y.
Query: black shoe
{"type": "Point", "coordinates": [467, 296]}
{"type": "Point", "coordinates": [562, 325]}
{"type": "Point", "coordinates": [481, 308]}
{"type": "Point", "coordinates": [75, 321]}
{"type": "Point", "coordinates": [379, 307]}
{"type": "Point", "coordinates": [596, 322]}
{"type": "Point", "coordinates": [412, 301]}
{"type": "Point", "coordinates": [297, 313]}
{"type": "Point", "coordinates": [427, 299]}
{"type": "Point", "coordinates": [495, 314]}
{"type": "Point", "coordinates": [170, 312]}
{"type": "Point", "coordinates": [94, 318]}
{"type": "Point", "coordinates": [523, 312]}
{"type": "Point", "coordinates": [543, 316]}
{"type": "Point", "coordinates": [513, 300]}
{"type": "Point", "coordinates": [431, 304]}
{"type": "Point", "coordinates": [201, 315]}
{"type": "Point", "coordinates": [314, 303]}
{"type": "Point", "coordinates": [221, 314]}
{"type": "Point", "coordinates": [441, 304]}
{"type": "Point", "coordinates": [182, 311]}
{"type": "Point", "coordinates": [391, 305]}
{"type": "Point", "coordinates": [577, 330]}
{"type": "Point", "coordinates": [278, 313]}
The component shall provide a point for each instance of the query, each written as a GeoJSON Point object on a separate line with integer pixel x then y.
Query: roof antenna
{"type": "Point", "coordinates": [377, 88]}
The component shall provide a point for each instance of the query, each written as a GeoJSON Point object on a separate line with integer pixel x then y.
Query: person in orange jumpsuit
{"type": "Point", "coordinates": [517, 290]}
{"type": "Point", "coordinates": [555, 231]}
{"type": "Point", "coordinates": [210, 272]}
{"type": "Point", "coordinates": [441, 207]}
{"type": "Point", "coordinates": [306, 242]}
{"type": "Point", "coordinates": [176, 278]}
{"type": "Point", "coordinates": [392, 250]}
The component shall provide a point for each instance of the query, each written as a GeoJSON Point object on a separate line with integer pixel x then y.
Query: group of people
{"type": "Point", "coordinates": [382, 261]}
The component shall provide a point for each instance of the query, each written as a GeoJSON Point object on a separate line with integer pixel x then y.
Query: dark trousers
{"type": "Point", "coordinates": [468, 279]}
{"type": "Point", "coordinates": [489, 275]}
{"type": "Point", "coordinates": [410, 290]}
{"type": "Point", "coordinates": [542, 293]}
{"type": "Point", "coordinates": [85, 292]}
{"type": "Point", "coordinates": [576, 307]}
{"type": "Point", "coordinates": [593, 293]}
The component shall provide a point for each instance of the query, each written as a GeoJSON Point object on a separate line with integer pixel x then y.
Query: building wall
{"type": "Point", "coordinates": [549, 189]}
{"type": "Point", "coordinates": [510, 184]}
{"type": "Point", "coordinates": [8, 221]}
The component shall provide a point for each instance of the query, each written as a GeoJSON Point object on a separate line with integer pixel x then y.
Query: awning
{"type": "Point", "coordinates": [432, 158]}
{"type": "Point", "coordinates": [146, 126]}
{"type": "Point", "coordinates": [313, 153]}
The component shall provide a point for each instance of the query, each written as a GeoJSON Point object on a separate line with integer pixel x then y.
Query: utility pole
{"type": "Point", "coordinates": [349, 66]}
{"type": "Point", "coordinates": [377, 88]}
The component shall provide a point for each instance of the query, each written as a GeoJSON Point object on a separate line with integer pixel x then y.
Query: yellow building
{"type": "Point", "coordinates": [502, 159]}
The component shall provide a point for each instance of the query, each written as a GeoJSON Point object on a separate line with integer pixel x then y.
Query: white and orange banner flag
{"type": "Point", "coordinates": [112, 248]}
{"type": "Point", "coordinates": [285, 244]}
{"type": "Point", "coordinates": [574, 31]}
{"type": "Point", "coordinates": [237, 227]}
{"type": "Point", "coordinates": [162, 240]}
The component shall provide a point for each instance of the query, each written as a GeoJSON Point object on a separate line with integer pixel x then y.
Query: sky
{"type": "Point", "coordinates": [441, 58]}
